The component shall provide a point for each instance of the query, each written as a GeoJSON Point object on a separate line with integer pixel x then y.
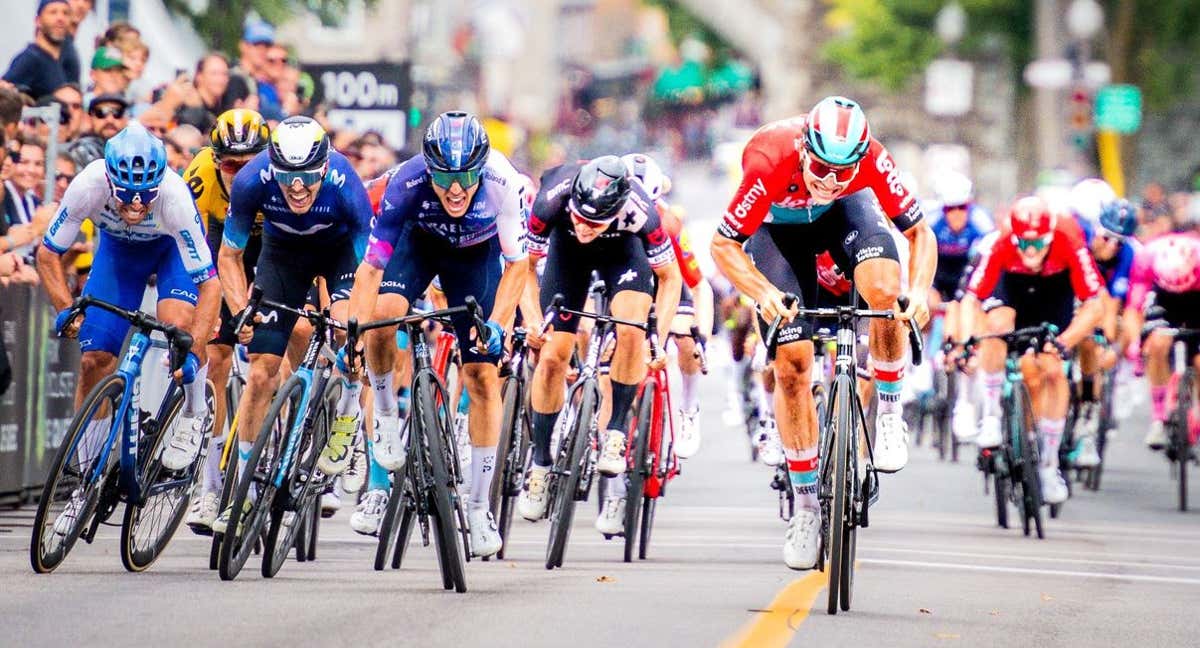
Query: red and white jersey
{"type": "Point", "coordinates": [1068, 253]}
{"type": "Point", "coordinates": [1142, 278]}
{"type": "Point", "coordinates": [773, 190]}
{"type": "Point", "coordinates": [689, 267]}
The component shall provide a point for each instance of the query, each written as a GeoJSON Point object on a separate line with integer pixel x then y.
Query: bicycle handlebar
{"type": "Point", "coordinates": [354, 328]}
{"type": "Point", "coordinates": [179, 341]}
{"type": "Point", "coordinates": [1030, 337]}
{"type": "Point", "coordinates": [840, 312]}
{"type": "Point", "coordinates": [1165, 326]}
{"type": "Point", "coordinates": [649, 327]}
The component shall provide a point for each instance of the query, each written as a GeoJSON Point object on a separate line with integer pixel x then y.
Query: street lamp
{"type": "Point", "coordinates": [1085, 19]}
{"type": "Point", "coordinates": [951, 24]}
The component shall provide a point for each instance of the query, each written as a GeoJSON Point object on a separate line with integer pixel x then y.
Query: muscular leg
{"type": "Point", "coordinates": [628, 366]}
{"type": "Point", "coordinates": [796, 416]}
{"type": "Point", "coordinates": [546, 391]}
{"type": "Point", "coordinates": [482, 382]}
{"type": "Point", "coordinates": [878, 281]}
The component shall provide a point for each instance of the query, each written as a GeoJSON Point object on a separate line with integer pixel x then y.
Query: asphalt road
{"type": "Point", "coordinates": [1118, 567]}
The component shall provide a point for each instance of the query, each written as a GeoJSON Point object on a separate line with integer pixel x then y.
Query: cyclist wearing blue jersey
{"type": "Point", "coordinates": [148, 225]}
{"type": "Point", "coordinates": [316, 218]}
{"type": "Point", "coordinates": [1114, 249]}
{"type": "Point", "coordinates": [452, 212]}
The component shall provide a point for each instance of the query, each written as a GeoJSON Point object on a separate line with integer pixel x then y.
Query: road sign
{"type": "Point", "coordinates": [1119, 108]}
{"type": "Point", "coordinates": [366, 96]}
{"type": "Point", "coordinates": [949, 84]}
{"type": "Point", "coordinates": [1048, 73]}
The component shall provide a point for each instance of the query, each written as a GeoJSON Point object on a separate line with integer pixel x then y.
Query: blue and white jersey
{"type": "Point", "coordinates": [341, 211]}
{"type": "Point", "coordinates": [1116, 270]}
{"type": "Point", "coordinates": [954, 246]}
{"type": "Point", "coordinates": [172, 215]}
{"type": "Point", "coordinates": [497, 210]}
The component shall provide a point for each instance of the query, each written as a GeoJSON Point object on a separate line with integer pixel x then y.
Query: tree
{"type": "Point", "coordinates": [1153, 43]}
{"type": "Point", "coordinates": [221, 21]}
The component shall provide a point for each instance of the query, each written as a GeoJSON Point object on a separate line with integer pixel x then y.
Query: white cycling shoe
{"type": "Point", "coordinates": [532, 501]}
{"type": "Point", "coordinates": [1087, 456]}
{"type": "Point", "coordinates": [369, 513]}
{"type": "Point", "coordinates": [331, 501]}
{"type": "Point", "coordinates": [203, 512]}
{"type": "Point", "coordinates": [803, 540]}
{"type": "Point", "coordinates": [66, 520]}
{"type": "Point", "coordinates": [612, 460]}
{"type": "Point", "coordinates": [687, 442]}
{"type": "Point", "coordinates": [891, 442]}
{"type": "Point", "coordinates": [989, 433]}
{"type": "Point", "coordinates": [611, 521]}
{"type": "Point", "coordinates": [186, 437]}
{"type": "Point", "coordinates": [1156, 436]}
{"type": "Point", "coordinates": [387, 442]}
{"type": "Point", "coordinates": [485, 536]}
{"type": "Point", "coordinates": [964, 423]}
{"type": "Point", "coordinates": [770, 447]}
{"type": "Point", "coordinates": [355, 476]}
{"type": "Point", "coordinates": [1054, 487]}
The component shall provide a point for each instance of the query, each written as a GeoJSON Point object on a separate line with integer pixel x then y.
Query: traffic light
{"type": "Point", "coordinates": [1080, 112]}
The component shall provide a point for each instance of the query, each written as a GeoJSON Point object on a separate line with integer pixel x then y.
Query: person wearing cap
{"type": "Point", "coordinates": [38, 69]}
{"type": "Point", "coordinates": [257, 38]}
{"type": "Point", "coordinates": [108, 71]}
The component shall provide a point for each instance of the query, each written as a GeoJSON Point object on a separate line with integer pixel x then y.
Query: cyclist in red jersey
{"type": "Point", "coordinates": [810, 184]}
{"type": "Point", "coordinates": [1033, 274]}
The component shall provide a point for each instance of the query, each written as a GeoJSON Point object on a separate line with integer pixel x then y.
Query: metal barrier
{"type": "Point", "coordinates": [37, 409]}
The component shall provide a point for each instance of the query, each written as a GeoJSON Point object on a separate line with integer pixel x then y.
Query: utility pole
{"type": "Point", "coordinates": [1047, 115]}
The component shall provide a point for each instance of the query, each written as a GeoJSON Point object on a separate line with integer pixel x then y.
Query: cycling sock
{"type": "Point", "coordinates": [1158, 402]}
{"type": "Point", "coordinates": [993, 381]}
{"type": "Point", "coordinates": [1051, 431]}
{"type": "Point", "coordinates": [963, 385]}
{"type": "Point", "coordinates": [402, 401]}
{"type": "Point", "coordinates": [212, 465]}
{"type": "Point", "coordinates": [689, 387]}
{"type": "Point", "coordinates": [614, 487]}
{"type": "Point", "coordinates": [622, 401]}
{"type": "Point", "coordinates": [464, 401]}
{"type": "Point", "coordinates": [483, 468]}
{"type": "Point", "coordinates": [193, 393]}
{"type": "Point", "coordinates": [377, 476]}
{"type": "Point", "coordinates": [802, 471]}
{"type": "Point", "coordinates": [543, 428]}
{"type": "Point", "coordinates": [889, 381]}
{"type": "Point", "coordinates": [244, 448]}
{"type": "Point", "coordinates": [385, 393]}
{"type": "Point", "coordinates": [348, 403]}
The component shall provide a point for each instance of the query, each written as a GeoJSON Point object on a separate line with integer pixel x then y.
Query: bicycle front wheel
{"type": "Point", "coordinates": [567, 473]}
{"type": "Point", "coordinates": [1031, 486]}
{"type": "Point", "coordinates": [434, 429]}
{"type": "Point", "coordinates": [641, 466]}
{"type": "Point", "coordinates": [511, 456]}
{"type": "Point", "coordinates": [70, 495]}
{"type": "Point", "coordinates": [841, 504]}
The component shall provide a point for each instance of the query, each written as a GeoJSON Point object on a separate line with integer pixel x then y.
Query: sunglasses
{"type": "Point", "coordinates": [582, 220]}
{"type": "Point", "coordinates": [964, 207]}
{"type": "Point", "coordinates": [107, 112]}
{"type": "Point", "coordinates": [446, 179]}
{"type": "Point", "coordinates": [1025, 245]}
{"type": "Point", "coordinates": [277, 61]}
{"type": "Point", "coordinates": [307, 177]}
{"type": "Point", "coordinates": [821, 171]}
{"type": "Point", "coordinates": [135, 196]}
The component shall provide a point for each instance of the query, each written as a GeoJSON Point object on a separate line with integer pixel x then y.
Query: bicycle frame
{"type": "Point", "coordinates": [666, 463]}
{"type": "Point", "coordinates": [309, 370]}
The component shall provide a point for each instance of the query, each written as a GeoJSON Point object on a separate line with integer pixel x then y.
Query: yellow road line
{"type": "Point", "coordinates": [775, 625]}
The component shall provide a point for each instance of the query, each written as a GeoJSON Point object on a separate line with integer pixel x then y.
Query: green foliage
{"type": "Point", "coordinates": [681, 24]}
{"type": "Point", "coordinates": [220, 23]}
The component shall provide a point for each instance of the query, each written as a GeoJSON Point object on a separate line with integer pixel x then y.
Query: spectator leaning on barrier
{"type": "Point", "coordinates": [37, 70]}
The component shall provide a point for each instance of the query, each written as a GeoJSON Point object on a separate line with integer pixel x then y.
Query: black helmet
{"type": "Point", "coordinates": [600, 189]}
{"type": "Point", "coordinates": [455, 142]}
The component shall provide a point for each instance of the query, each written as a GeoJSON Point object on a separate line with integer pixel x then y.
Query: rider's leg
{"type": "Point", "coordinates": [381, 353]}
{"type": "Point", "coordinates": [628, 367]}
{"type": "Point", "coordinates": [796, 416]}
{"type": "Point", "coordinates": [689, 370]}
{"type": "Point", "coordinates": [93, 367]}
{"type": "Point", "coordinates": [220, 361]}
{"type": "Point", "coordinates": [546, 392]}
{"type": "Point", "coordinates": [1052, 409]}
{"type": "Point", "coordinates": [261, 381]}
{"type": "Point", "coordinates": [482, 382]}
{"type": "Point", "coordinates": [181, 313]}
{"type": "Point", "coordinates": [1157, 349]}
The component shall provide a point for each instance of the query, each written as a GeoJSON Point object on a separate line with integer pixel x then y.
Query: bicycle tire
{"type": "Point", "coordinates": [1031, 488]}
{"type": "Point", "coordinates": [388, 535]}
{"type": "Point", "coordinates": [567, 474]}
{"type": "Point", "coordinates": [841, 504]}
{"type": "Point", "coordinates": [110, 389]}
{"type": "Point", "coordinates": [640, 467]}
{"type": "Point", "coordinates": [441, 490]}
{"type": "Point", "coordinates": [1182, 442]}
{"type": "Point", "coordinates": [235, 553]}
{"type": "Point", "coordinates": [150, 470]}
{"type": "Point", "coordinates": [302, 486]}
{"type": "Point", "coordinates": [229, 483]}
{"type": "Point", "coordinates": [1000, 489]}
{"type": "Point", "coordinates": [511, 455]}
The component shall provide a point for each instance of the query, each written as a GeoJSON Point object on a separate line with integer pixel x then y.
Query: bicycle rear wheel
{"type": "Point", "coordinates": [147, 528]}
{"type": "Point", "coordinates": [641, 466]}
{"type": "Point", "coordinates": [567, 472]}
{"type": "Point", "coordinates": [842, 490]}
{"type": "Point", "coordinates": [70, 480]}
{"type": "Point", "coordinates": [258, 474]}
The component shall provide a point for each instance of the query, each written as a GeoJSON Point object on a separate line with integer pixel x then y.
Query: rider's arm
{"type": "Point", "coordinates": [666, 299]}
{"type": "Point", "coordinates": [84, 196]}
{"type": "Point", "coordinates": [1087, 316]}
{"type": "Point", "coordinates": [246, 198]}
{"type": "Point", "coordinates": [1089, 290]}
{"type": "Point", "coordinates": [187, 229]}
{"type": "Point", "coordinates": [922, 264]}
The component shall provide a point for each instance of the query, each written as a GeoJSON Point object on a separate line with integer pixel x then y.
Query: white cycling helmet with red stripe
{"type": "Point", "coordinates": [837, 132]}
{"type": "Point", "coordinates": [646, 170]}
{"type": "Point", "coordinates": [1176, 263]}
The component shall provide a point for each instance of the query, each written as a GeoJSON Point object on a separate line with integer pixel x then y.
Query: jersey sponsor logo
{"type": "Point", "coordinates": [188, 241]}
{"type": "Point", "coordinates": [415, 181]}
{"type": "Point", "coordinates": [656, 237]}
{"type": "Point", "coordinates": [627, 276]}
{"type": "Point", "coordinates": [269, 317]}
{"type": "Point", "coordinates": [265, 176]}
{"type": "Point", "coordinates": [869, 252]}
{"type": "Point", "coordinates": [1090, 277]}
{"type": "Point", "coordinates": [59, 219]}
{"type": "Point", "coordinates": [337, 178]}
{"type": "Point", "coordinates": [557, 189]}
{"type": "Point", "coordinates": [888, 169]}
{"type": "Point", "coordinates": [196, 184]}
{"type": "Point", "coordinates": [178, 292]}
{"type": "Point", "coordinates": [851, 236]}
{"type": "Point", "coordinates": [303, 232]}
{"type": "Point", "coordinates": [536, 225]}
{"type": "Point", "coordinates": [753, 194]}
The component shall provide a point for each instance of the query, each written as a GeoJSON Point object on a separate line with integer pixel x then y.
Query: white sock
{"type": "Point", "coordinates": [614, 487]}
{"type": "Point", "coordinates": [212, 465]}
{"type": "Point", "coordinates": [689, 386]}
{"type": "Point", "coordinates": [993, 382]}
{"type": "Point", "coordinates": [963, 384]}
{"type": "Point", "coordinates": [1052, 432]}
{"type": "Point", "coordinates": [193, 393]}
{"type": "Point", "coordinates": [348, 403]}
{"type": "Point", "coordinates": [385, 393]}
{"type": "Point", "coordinates": [483, 468]}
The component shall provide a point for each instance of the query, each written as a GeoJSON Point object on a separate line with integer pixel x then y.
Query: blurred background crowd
{"type": "Point", "coordinates": [1013, 94]}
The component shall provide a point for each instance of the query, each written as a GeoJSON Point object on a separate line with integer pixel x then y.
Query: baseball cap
{"type": "Point", "coordinates": [108, 98]}
{"type": "Point", "coordinates": [258, 33]}
{"type": "Point", "coordinates": [46, 3]}
{"type": "Point", "coordinates": [107, 57]}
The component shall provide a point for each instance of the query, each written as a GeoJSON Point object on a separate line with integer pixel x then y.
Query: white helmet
{"type": "Point", "coordinates": [647, 171]}
{"type": "Point", "coordinates": [953, 188]}
{"type": "Point", "coordinates": [1089, 197]}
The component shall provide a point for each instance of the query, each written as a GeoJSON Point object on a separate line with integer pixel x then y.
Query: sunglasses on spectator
{"type": "Point", "coordinates": [107, 112]}
{"type": "Point", "coordinates": [276, 61]}
{"type": "Point", "coordinates": [446, 179]}
{"type": "Point", "coordinates": [135, 196]}
{"type": "Point", "coordinates": [307, 177]}
{"type": "Point", "coordinates": [822, 171]}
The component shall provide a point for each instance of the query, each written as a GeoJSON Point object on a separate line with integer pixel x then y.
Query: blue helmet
{"type": "Point", "coordinates": [455, 142]}
{"type": "Point", "coordinates": [837, 131]}
{"type": "Point", "coordinates": [1119, 217]}
{"type": "Point", "coordinates": [135, 159]}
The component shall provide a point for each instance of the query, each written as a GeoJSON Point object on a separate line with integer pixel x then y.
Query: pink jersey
{"type": "Point", "coordinates": [1142, 279]}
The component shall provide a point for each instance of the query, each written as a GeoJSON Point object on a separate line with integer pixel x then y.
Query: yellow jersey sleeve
{"type": "Point", "coordinates": [204, 180]}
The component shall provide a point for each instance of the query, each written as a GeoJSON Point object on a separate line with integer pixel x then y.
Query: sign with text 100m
{"type": "Point", "coordinates": [365, 96]}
